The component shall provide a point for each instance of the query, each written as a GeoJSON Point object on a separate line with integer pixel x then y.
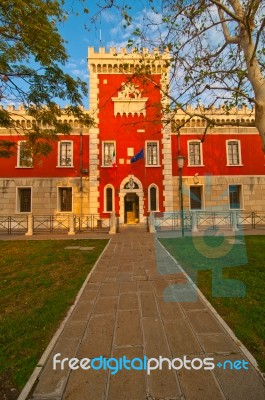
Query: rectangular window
{"type": "Point", "coordinates": [24, 199]}
{"type": "Point", "coordinates": [65, 199]}
{"type": "Point", "coordinates": [233, 152]}
{"type": "Point", "coordinates": [152, 153]}
{"type": "Point", "coordinates": [195, 153]}
{"type": "Point", "coordinates": [235, 196]}
{"type": "Point", "coordinates": [108, 154]}
{"type": "Point", "coordinates": [24, 155]}
{"type": "Point", "coordinates": [195, 197]}
{"type": "Point", "coordinates": [65, 158]}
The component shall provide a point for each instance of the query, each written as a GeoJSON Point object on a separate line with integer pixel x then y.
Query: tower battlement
{"type": "Point", "coordinates": [127, 61]}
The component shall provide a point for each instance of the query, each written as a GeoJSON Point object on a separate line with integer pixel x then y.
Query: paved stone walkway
{"type": "Point", "coordinates": [128, 309]}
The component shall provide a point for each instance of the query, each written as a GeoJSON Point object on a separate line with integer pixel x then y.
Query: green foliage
{"type": "Point", "coordinates": [32, 54]}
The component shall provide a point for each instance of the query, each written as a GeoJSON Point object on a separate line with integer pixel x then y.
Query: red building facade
{"type": "Point", "coordinates": [126, 164]}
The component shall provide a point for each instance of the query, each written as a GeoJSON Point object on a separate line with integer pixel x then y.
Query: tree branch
{"type": "Point", "coordinates": [222, 7]}
{"type": "Point", "coordinates": [257, 41]}
{"type": "Point", "coordinates": [228, 38]}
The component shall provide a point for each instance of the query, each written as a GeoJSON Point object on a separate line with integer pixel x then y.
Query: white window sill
{"type": "Point", "coordinates": [235, 165]}
{"type": "Point", "coordinates": [153, 165]}
{"type": "Point", "coordinates": [64, 166]}
{"type": "Point", "coordinates": [196, 165]}
{"type": "Point", "coordinates": [21, 167]}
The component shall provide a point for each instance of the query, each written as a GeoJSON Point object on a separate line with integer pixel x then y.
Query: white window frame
{"type": "Point", "coordinates": [110, 164]}
{"type": "Point", "coordinates": [59, 154]}
{"type": "Point", "coordinates": [18, 191]}
{"type": "Point", "coordinates": [59, 199]}
{"type": "Point", "coordinates": [19, 147]}
{"type": "Point", "coordinates": [202, 198]}
{"type": "Point", "coordinates": [201, 155]}
{"type": "Point", "coordinates": [105, 199]}
{"type": "Point", "coordinates": [241, 197]}
{"type": "Point", "coordinates": [153, 185]}
{"type": "Point", "coordinates": [147, 142]}
{"type": "Point", "coordinates": [239, 153]}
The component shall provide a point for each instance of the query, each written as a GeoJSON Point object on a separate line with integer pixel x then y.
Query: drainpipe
{"type": "Point", "coordinates": [81, 172]}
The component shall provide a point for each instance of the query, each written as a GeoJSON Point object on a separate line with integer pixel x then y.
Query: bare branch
{"type": "Point", "coordinates": [228, 38]}
{"type": "Point", "coordinates": [221, 6]}
{"type": "Point", "coordinates": [262, 26]}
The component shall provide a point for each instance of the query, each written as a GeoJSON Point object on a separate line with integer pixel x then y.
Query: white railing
{"type": "Point", "coordinates": [201, 220]}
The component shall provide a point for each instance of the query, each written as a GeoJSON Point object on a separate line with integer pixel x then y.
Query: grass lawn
{"type": "Point", "coordinates": [242, 262]}
{"type": "Point", "coordinates": [39, 281]}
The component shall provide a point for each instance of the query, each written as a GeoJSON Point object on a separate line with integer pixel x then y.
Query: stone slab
{"type": "Point", "coordinates": [155, 342]}
{"type": "Point", "coordinates": [98, 337]}
{"type": "Point", "coordinates": [128, 301]}
{"type": "Point", "coordinates": [200, 385]}
{"type": "Point", "coordinates": [170, 310]}
{"type": "Point", "coordinates": [128, 329]}
{"type": "Point", "coordinates": [86, 385]}
{"type": "Point", "coordinates": [105, 305]}
{"type": "Point", "coordinates": [128, 385]}
{"type": "Point", "coordinates": [181, 338]}
{"type": "Point", "coordinates": [239, 384]}
{"type": "Point", "coordinates": [52, 381]}
{"type": "Point", "coordinates": [127, 287]}
{"type": "Point", "coordinates": [109, 289]}
{"type": "Point", "coordinates": [204, 322]}
{"type": "Point", "coordinates": [148, 304]}
{"type": "Point", "coordinates": [217, 343]}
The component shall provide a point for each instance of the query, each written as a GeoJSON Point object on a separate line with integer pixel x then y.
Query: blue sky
{"type": "Point", "coordinates": [106, 32]}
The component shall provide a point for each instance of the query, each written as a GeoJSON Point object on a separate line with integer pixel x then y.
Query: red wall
{"type": "Point", "coordinates": [214, 155]}
{"type": "Point", "coordinates": [123, 130]}
{"type": "Point", "coordinates": [46, 168]}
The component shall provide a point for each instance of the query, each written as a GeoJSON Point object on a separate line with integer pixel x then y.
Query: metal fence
{"type": "Point", "coordinates": [8, 224]}
{"type": "Point", "coordinates": [201, 220]}
{"type": "Point", "coordinates": [49, 223]}
{"type": "Point", "coordinates": [171, 221]}
{"type": "Point", "coordinates": [92, 223]}
{"type": "Point", "coordinates": [251, 219]}
{"type": "Point", "coordinates": [53, 223]}
{"type": "Point", "coordinates": [214, 220]}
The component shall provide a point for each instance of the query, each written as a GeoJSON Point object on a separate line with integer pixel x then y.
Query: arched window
{"type": "Point", "coordinates": [109, 199]}
{"type": "Point", "coordinates": [153, 198]}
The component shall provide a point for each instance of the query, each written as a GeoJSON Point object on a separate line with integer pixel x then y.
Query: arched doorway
{"type": "Point", "coordinates": [131, 205]}
{"type": "Point", "coordinates": [131, 208]}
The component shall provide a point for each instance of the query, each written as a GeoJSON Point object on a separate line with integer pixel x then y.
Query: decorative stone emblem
{"type": "Point", "coordinates": [131, 184]}
{"type": "Point", "coordinates": [129, 101]}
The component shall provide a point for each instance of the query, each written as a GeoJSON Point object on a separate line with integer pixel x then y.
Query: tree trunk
{"type": "Point", "coordinates": [260, 122]}
{"type": "Point", "coordinates": [257, 82]}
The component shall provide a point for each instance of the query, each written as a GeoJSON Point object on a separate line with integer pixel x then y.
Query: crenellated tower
{"type": "Point", "coordinates": [127, 105]}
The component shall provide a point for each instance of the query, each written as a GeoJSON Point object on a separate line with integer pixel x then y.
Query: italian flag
{"type": "Point", "coordinates": [114, 159]}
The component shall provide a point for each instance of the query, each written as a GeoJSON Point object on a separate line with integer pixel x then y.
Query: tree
{"type": "Point", "coordinates": [216, 54]}
{"type": "Point", "coordinates": [32, 55]}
